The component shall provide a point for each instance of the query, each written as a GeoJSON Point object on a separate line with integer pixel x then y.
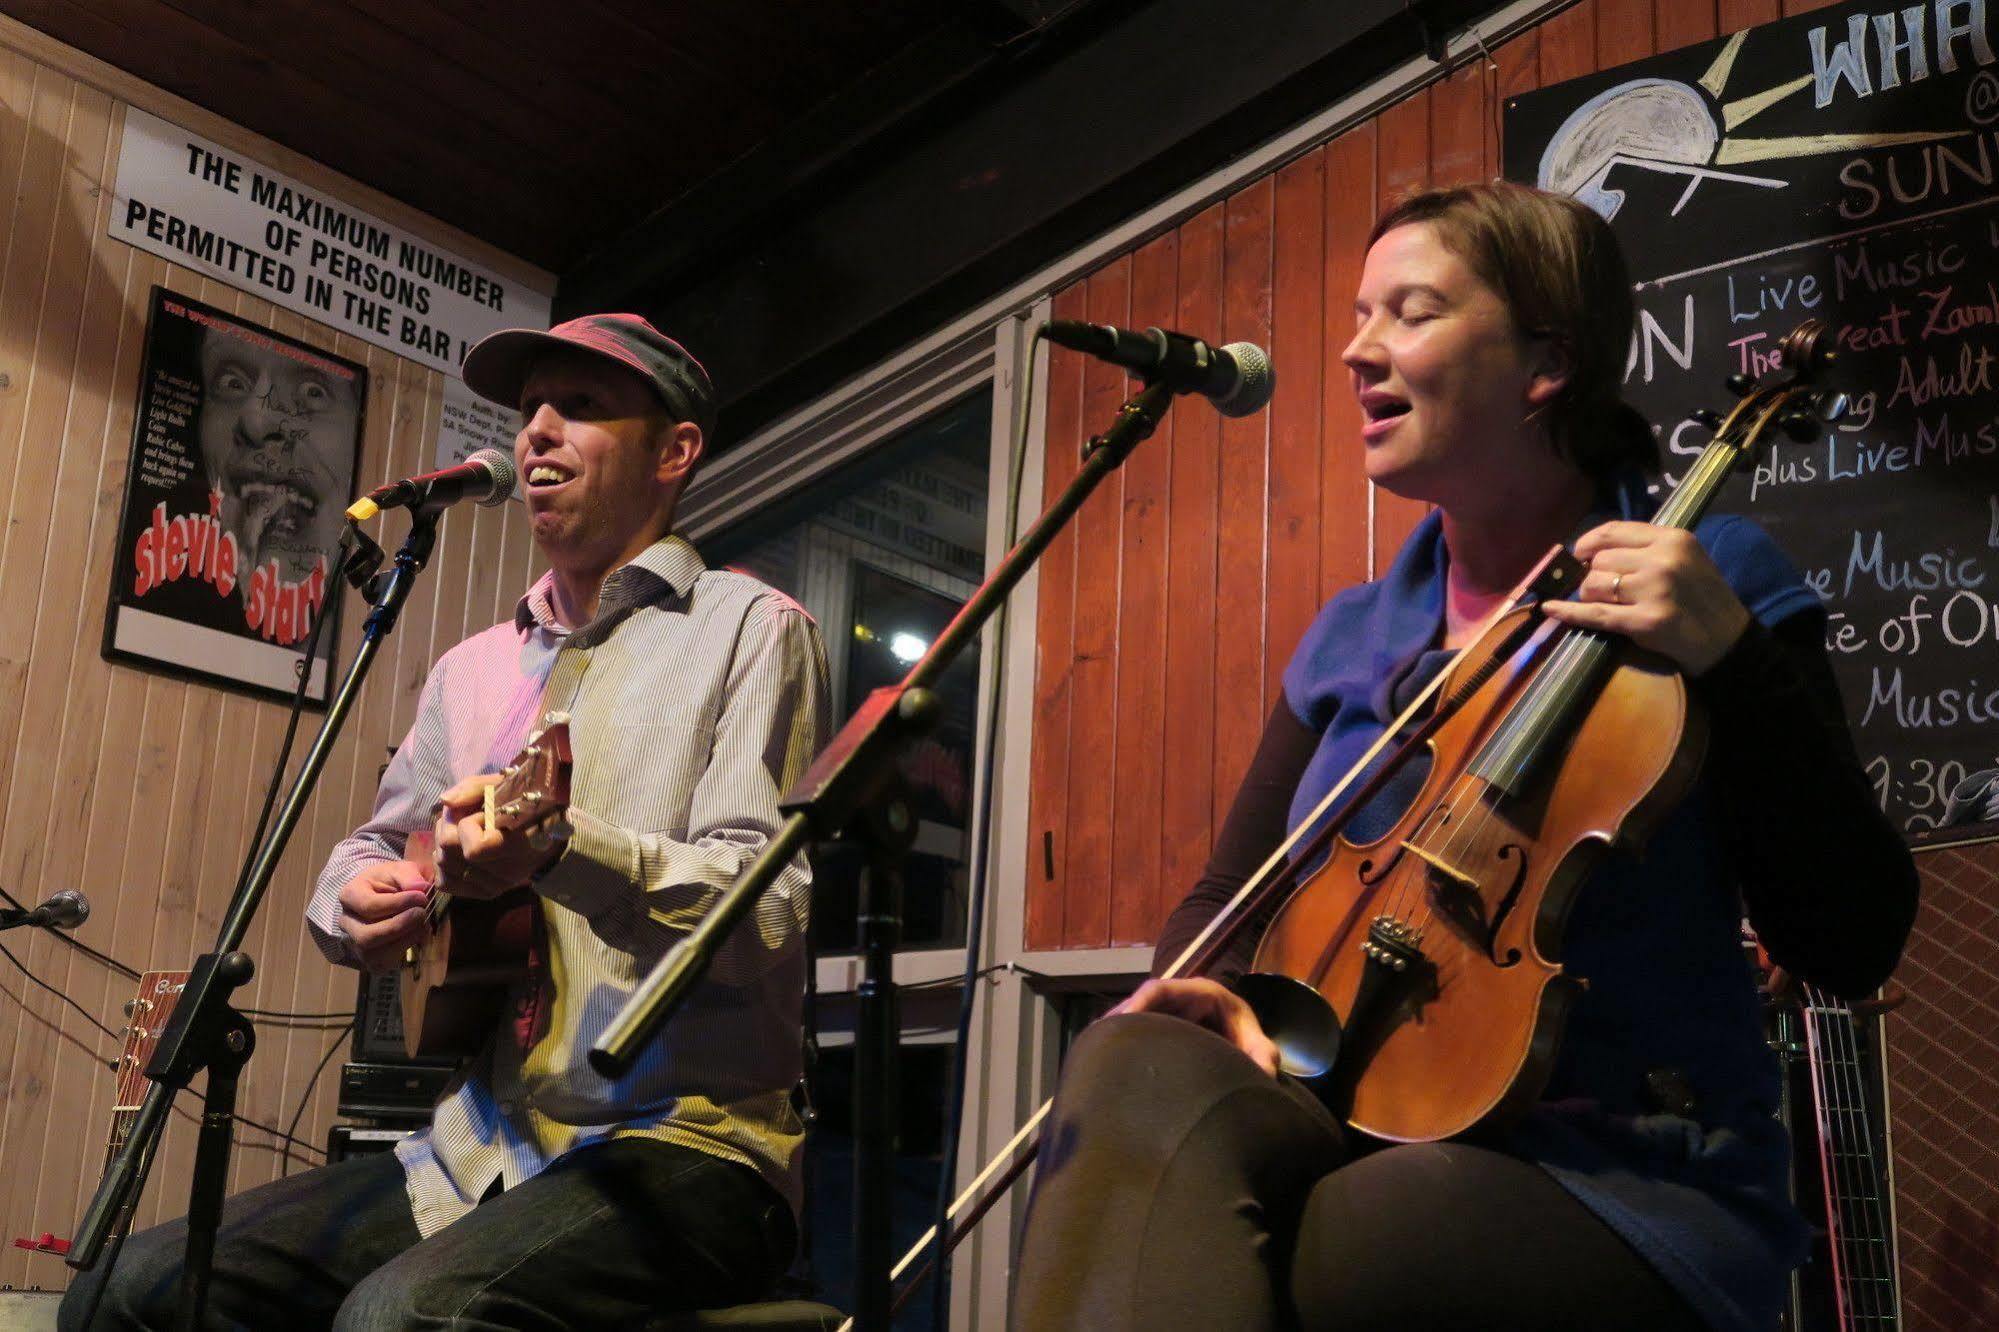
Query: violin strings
{"type": "Point", "coordinates": [1532, 724]}
{"type": "Point", "coordinates": [1416, 709]}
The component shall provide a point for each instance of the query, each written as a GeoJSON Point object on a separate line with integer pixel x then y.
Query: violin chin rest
{"type": "Point", "coordinates": [1297, 1019]}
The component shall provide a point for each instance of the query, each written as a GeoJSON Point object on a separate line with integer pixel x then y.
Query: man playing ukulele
{"type": "Point", "coordinates": [543, 1195]}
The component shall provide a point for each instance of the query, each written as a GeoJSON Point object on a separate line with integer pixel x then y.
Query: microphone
{"type": "Point", "coordinates": [487, 476]}
{"type": "Point", "coordinates": [64, 911]}
{"type": "Point", "coordinates": [1237, 378]}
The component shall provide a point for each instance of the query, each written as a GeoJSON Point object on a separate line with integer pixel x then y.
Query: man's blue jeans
{"type": "Point", "coordinates": [606, 1236]}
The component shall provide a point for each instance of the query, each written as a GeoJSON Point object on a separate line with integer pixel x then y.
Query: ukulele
{"type": "Point", "coordinates": [455, 983]}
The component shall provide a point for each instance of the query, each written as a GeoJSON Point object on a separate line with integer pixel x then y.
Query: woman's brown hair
{"type": "Point", "coordinates": [1557, 265]}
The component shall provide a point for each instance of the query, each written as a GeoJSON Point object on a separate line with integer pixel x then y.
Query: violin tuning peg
{"type": "Point", "coordinates": [1832, 405]}
{"type": "Point", "coordinates": [1801, 426]}
{"type": "Point", "coordinates": [1739, 384]}
{"type": "Point", "coordinates": [1706, 417]}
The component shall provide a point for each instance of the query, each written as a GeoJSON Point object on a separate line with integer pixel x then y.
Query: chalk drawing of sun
{"type": "Point", "coordinates": [1669, 127]}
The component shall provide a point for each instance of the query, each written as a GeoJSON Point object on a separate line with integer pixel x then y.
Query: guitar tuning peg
{"type": "Point", "coordinates": [1801, 426]}
{"type": "Point", "coordinates": [1832, 405]}
{"type": "Point", "coordinates": [1739, 384]}
{"type": "Point", "coordinates": [1706, 417]}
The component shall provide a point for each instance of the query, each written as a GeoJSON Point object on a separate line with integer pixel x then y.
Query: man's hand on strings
{"type": "Point", "coordinates": [1657, 587]}
{"type": "Point", "coordinates": [474, 860]}
{"type": "Point", "coordinates": [382, 912]}
{"type": "Point", "coordinates": [1208, 1004]}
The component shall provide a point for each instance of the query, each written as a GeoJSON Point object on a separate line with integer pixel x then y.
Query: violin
{"type": "Point", "coordinates": [1437, 946]}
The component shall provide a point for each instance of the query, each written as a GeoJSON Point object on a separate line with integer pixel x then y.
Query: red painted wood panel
{"type": "Point", "coordinates": [1141, 636]}
{"type": "Point", "coordinates": [1623, 32]}
{"type": "Point", "coordinates": [1297, 339]}
{"type": "Point", "coordinates": [1457, 127]}
{"type": "Point", "coordinates": [1519, 71]}
{"type": "Point", "coordinates": [1678, 23]}
{"type": "Point", "coordinates": [1048, 781]}
{"type": "Point", "coordinates": [1241, 542]}
{"type": "Point", "coordinates": [1344, 535]}
{"type": "Point", "coordinates": [1187, 812]}
{"type": "Point", "coordinates": [1402, 166]}
{"type": "Point", "coordinates": [1568, 44]}
{"type": "Point", "coordinates": [1086, 917]}
{"type": "Point", "coordinates": [1350, 207]}
{"type": "Point", "coordinates": [1735, 15]}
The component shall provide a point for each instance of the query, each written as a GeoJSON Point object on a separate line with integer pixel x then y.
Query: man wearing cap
{"type": "Point", "coordinates": [543, 1195]}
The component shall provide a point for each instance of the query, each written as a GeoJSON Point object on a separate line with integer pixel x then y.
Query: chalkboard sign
{"type": "Point", "coordinates": [1842, 165]}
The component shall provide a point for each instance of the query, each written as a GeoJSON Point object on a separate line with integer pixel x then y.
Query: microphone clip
{"type": "Point", "coordinates": [361, 559]}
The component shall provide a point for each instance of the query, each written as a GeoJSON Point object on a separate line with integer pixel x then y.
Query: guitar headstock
{"type": "Point", "coordinates": [533, 790]}
{"type": "Point", "coordinates": [146, 1016]}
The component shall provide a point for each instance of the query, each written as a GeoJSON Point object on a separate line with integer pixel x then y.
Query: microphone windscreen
{"type": "Point", "coordinates": [501, 465]}
{"type": "Point", "coordinates": [1256, 380]}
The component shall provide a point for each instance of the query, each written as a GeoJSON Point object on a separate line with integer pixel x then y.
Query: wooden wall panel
{"type": "Point", "coordinates": [1188, 754]}
{"type": "Point", "coordinates": [1242, 537]}
{"type": "Point", "coordinates": [1346, 537]}
{"type": "Point", "coordinates": [140, 789]}
{"type": "Point", "coordinates": [1297, 342]}
{"type": "Point", "coordinates": [1624, 32]}
{"type": "Point", "coordinates": [1735, 15]}
{"type": "Point", "coordinates": [1402, 167]}
{"type": "Point", "coordinates": [1094, 676]}
{"type": "Point", "coordinates": [1054, 652]}
{"type": "Point", "coordinates": [1678, 23]}
{"type": "Point", "coordinates": [1141, 630]}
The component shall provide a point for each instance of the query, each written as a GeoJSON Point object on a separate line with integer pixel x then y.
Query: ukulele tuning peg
{"type": "Point", "coordinates": [1832, 405]}
{"type": "Point", "coordinates": [1740, 385]}
{"type": "Point", "coordinates": [1706, 417]}
{"type": "Point", "coordinates": [1801, 426]}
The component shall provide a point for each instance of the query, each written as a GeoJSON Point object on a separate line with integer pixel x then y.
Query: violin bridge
{"type": "Point", "coordinates": [1449, 871]}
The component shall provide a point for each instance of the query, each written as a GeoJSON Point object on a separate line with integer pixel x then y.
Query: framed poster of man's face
{"type": "Point", "coordinates": [244, 452]}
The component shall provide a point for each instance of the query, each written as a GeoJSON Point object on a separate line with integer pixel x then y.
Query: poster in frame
{"type": "Point", "coordinates": [245, 446]}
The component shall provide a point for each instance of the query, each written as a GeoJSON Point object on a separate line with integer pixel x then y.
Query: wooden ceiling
{"type": "Point", "coordinates": [546, 127]}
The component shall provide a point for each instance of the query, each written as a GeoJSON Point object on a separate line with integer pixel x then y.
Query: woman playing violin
{"type": "Point", "coordinates": [1185, 1183]}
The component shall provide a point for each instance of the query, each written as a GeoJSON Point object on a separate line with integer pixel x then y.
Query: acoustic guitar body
{"type": "Point", "coordinates": [454, 988]}
{"type": "Point", "coordinates": [1466, 1032]}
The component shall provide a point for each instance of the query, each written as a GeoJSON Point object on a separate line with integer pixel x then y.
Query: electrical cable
{"type": "Point", "coordinates": [305, 1099]}
{"type": "Point", "coordinates": [4, 952]}
{"type": "Point", "coordinates": [278, 1015]}
{"type": "Point", "coordinates": [304, 669]}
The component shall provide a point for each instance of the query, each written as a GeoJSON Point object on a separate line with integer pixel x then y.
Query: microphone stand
{"type": "Point", "coordinates": [205, 1031]}
{"type": "Point", "coordinates": [852, 790]}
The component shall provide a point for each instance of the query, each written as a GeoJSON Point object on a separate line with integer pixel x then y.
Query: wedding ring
{"type": "Point", "coordinates": [1616, 581]}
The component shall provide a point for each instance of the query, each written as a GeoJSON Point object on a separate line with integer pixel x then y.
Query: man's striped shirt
{"type": "Point", "coordinates": [697, 696]}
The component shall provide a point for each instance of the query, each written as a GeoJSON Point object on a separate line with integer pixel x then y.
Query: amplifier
{"type": "Point", "coordinates": [401, 1091]}
{"type": "Point", "coordinates": [344, 1141]}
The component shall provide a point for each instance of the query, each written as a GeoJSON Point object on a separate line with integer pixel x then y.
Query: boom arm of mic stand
{"type": "Point", "coordinates": [650, 1005]}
